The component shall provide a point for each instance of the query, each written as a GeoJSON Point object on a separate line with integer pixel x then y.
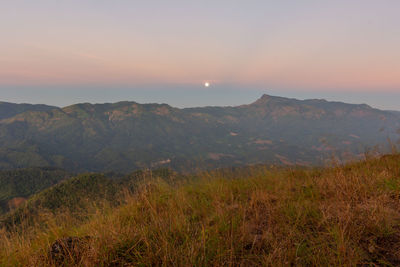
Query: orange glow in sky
{"type": "Point", "coordinates": [280, 44]}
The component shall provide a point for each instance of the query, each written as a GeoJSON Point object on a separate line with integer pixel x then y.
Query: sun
{"type": "Point", "coordinates": [207, 84]}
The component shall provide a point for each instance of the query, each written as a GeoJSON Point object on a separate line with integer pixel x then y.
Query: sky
{"type": "Point", "coordinates": [68, 51]}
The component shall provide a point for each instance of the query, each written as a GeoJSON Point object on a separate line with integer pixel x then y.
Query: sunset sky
{"type": "Point", "coordinates": [66, 51]}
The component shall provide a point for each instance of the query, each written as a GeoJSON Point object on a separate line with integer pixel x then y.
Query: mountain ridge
{"type": "Point", "coordinates": [126, 135]}
{"type": "Point", "coordinates": [262, 97]}
{"type": "Point", "coordinates": [8, 109]}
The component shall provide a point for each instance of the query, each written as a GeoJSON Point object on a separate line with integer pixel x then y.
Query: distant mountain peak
{"type": "Point", "coordinates": [265, 98]}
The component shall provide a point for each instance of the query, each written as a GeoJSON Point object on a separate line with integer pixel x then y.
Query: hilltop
{"type": "Point", "coordinates": [346, 215]}
{"type": "Point", "coordinates": [76, 195]}
{"type": "Point", "coordinates": [127, 136]}
{"type": "Point", "coordinates": [8, 110]}
{"type": "Point", "coordinates": [18, 185]}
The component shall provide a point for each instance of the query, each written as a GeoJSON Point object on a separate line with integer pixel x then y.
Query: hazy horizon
{"type": "Point", "coordinates": [67, 52]}
{"type": "Point", "coordinates": [184, 98]}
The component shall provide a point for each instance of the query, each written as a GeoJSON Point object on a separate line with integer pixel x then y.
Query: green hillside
{"type": "Point", "coordinates": [17, 185]}
{"type": "Point", "coordinates": [255, 216]}
{"type": "Point", "coordinates": [127, 136]}
{"type": "Point", "coordinates": [8, 110]}
{"type": "Point", "coordinates": [77, 195]}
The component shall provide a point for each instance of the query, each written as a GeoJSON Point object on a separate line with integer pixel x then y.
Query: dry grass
{"type": "Point", "coordinates": [341, 216]}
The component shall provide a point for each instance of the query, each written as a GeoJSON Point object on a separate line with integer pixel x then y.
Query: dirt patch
{"type": "Point", "coordinates": [16, 202]}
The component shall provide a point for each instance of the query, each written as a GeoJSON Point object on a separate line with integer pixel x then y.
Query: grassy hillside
{"type": "Point", "coordinates": [78, 196]}
{"type": "Point", "coordinates": [17, 185]}
{"type": "Point", "coordinates": [74, 195]}
{"type": "Point", "coordinates": [344, 215]}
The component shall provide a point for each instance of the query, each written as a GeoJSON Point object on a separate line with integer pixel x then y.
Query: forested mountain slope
{"type": "Point", "coordinates": [125, 136]}
{"type": "Point", "coordinates": [17, 185]}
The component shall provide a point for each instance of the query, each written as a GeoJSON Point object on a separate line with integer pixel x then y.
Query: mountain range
{"type": "Point", "coordinates": [126, 136]}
